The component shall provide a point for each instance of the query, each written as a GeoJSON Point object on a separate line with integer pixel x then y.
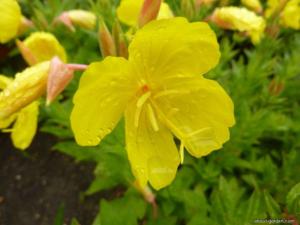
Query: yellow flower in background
{"type": "Point", "coordinates": [25, 121]}
{"type": "Point", "coordinates": [253, 5]}
{"type": "Point", "coordinates": [290, 16]}
{"type": "Point", "coordinates": [129, 10]}
{"type": "Point", "coordinates": [241, 19]}
{"type": "Point", "coordinates": [82, 18]}
{"type": "Point", "coordinates": [27, 87]}
{"type": "Point", "coordinates": [10, 19]}
{"type": "Point", "coordinates": [41, 46]}
{"type": "Point", "coordinates": [163, 93]}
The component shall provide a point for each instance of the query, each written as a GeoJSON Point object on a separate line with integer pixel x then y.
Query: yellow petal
{"type": "Point", "coordinates": [27, 87]}
{"type": "Point", "coordinates": [165, 11]}
{"type": "Point", "coordinates": [198, 111]}
{"type": "Point", "coordinates": [99, 103]}
{"type": "Point", "coordinates": [152, 153]}
{"type": "Point", "coordinates": [241, 19]}
{"type": "Point", "coordinates": [25, 126]}
{"type": "Point", "coordinates": [10, 19]}
{"type": "Point", "coordinates": [253, 4]}
{"type": "Point", "coordinates": [173, 47]}
{"type": "Point", "coordinates": [4, 123]}
{"type": "Point", "coordinates": [44, 46]}
{"type": "Point", "coordinates": [129, 11]}
{"type": "Point", "coordinates": [290, 16]}
{"type": "Point", "coordinates": [4, 81]}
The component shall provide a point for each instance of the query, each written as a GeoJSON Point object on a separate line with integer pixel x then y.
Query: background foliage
{"type": "Point", "coordinates": [256, 174]}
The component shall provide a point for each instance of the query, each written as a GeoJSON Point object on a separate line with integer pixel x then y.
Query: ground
{"type": "Point", "coordinates": [36, 183]}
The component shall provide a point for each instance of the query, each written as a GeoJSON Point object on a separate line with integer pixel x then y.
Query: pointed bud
{"type": "Point", "coordinates": [58, 78]}
{"type": "Point", "coordinates": [120, 40]}
{"type": "Point", "coordinates": [27, 87]}
{"type": "Point", "coordinates": [149, 11]}
{"type": "Point", "coordinates": [66, 20]}
{"type": "Point", "coordinates": [106, 41]}
{"type": "Point", "coordinates": [188, 8]}
{"type": "Point", "coordinates": [81, 18]}
{"type": "Point", "coordinates": [26, 53]}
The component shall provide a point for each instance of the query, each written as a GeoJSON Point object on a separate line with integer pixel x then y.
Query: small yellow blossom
{"type": "Point", "coordinates": [253, 5]}
{"type": "Point", "coordinates": [25, 121]}
{"type": "Point", "coordinates": [241, 19]}
{"type": "Point", "coordinates": [129, 10]}
{"type": "Point", "coordinates": [41, 46]}
{"type": "Point", "coordinates": [163, 93]}
{"type": "Point", "coordinates": [290, 16]}
{"type": "Point", "coordinates": [10, 19]}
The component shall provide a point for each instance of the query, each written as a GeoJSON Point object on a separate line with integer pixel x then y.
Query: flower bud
{"type": "Point", "coordinates": [106, 41]}
{"type": "Point", "coordinates": [58, 78]}
{"type": "Point", "coordinates": [149, 11]}
{"type": "Point", "coordinates": [81, 18]}
{"type": "Point", "coordinates": [28, 86]}
{"type": "Point", "coordinates": [41, 46]}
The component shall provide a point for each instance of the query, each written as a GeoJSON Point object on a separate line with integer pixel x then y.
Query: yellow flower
{"type": "Point", "coordinates": [290, 16]}
{"type": "Point", "coordinates": [41, 46]}
{"type": "Point", "coordinates": [162, 92]}
{"type": "Point", "coordinates": [10, 19]}
{"type": "Point", "coordinates": [25, 121]}
{"type": "Point", "coordinates": [240, 19]}
{"type": "Point", "coordinates": [253, 4]}
{"type": "Point", "coordinates": [129, 10]}
{"type": "Point", "coordinates": [27, 87]}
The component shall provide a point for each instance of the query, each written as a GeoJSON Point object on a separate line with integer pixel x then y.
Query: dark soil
{"type": "Point", "coordinates": [34, 184]}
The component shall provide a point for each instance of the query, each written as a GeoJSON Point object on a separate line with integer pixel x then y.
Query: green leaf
{"type": "Point", "coordinates": [123, 211]}
{"type": "Point", "coordinates": [293, 201]}
{"type": "Point", "coordinates": [59, 216]}
{"type": "Point", "coordinates": [272, 206]}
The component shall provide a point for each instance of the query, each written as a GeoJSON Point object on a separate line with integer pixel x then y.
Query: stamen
{"type": "Point", "coordinates": [137, 116]}
{"type": "Point", "coordinates": [181, 152]}
{"type": "Point", "coordinates": [141, 101]}
{"type": "Point", "coordinates": [152, 117]}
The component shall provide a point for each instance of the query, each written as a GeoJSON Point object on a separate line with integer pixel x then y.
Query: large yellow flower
{"type": "Point", "coordinates": [25, 121]}
{"type": "Point", "coordinates": [129, 10]}
{"type": "Point", "coordinates": [10, 19]}
{"type": "Point", "coordinates": [240, 19]}
{"type": "Point", "coordinates": [162, 91]}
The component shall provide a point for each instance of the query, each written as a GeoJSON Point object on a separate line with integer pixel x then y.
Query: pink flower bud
{"type": "Point", "coordinates": [149, 11]}
{"type": "Point", "coordinates": [106, 41]}
{"type": "Point", "coordinates": [59, 76]}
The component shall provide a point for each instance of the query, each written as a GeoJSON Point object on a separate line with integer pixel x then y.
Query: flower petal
{"type": "Point", "coordinates": [10, 19]}
{"type": "Point", "coordinates": [104, 91]}
{"type": "Point", "coordinates": [152, 154]}
{"type": "Point", "coordinates": [25, 126]}
{"type": "Point", "coordinates": [173, 47]}
{"type": "Point", "coordinates": [198, 111]}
